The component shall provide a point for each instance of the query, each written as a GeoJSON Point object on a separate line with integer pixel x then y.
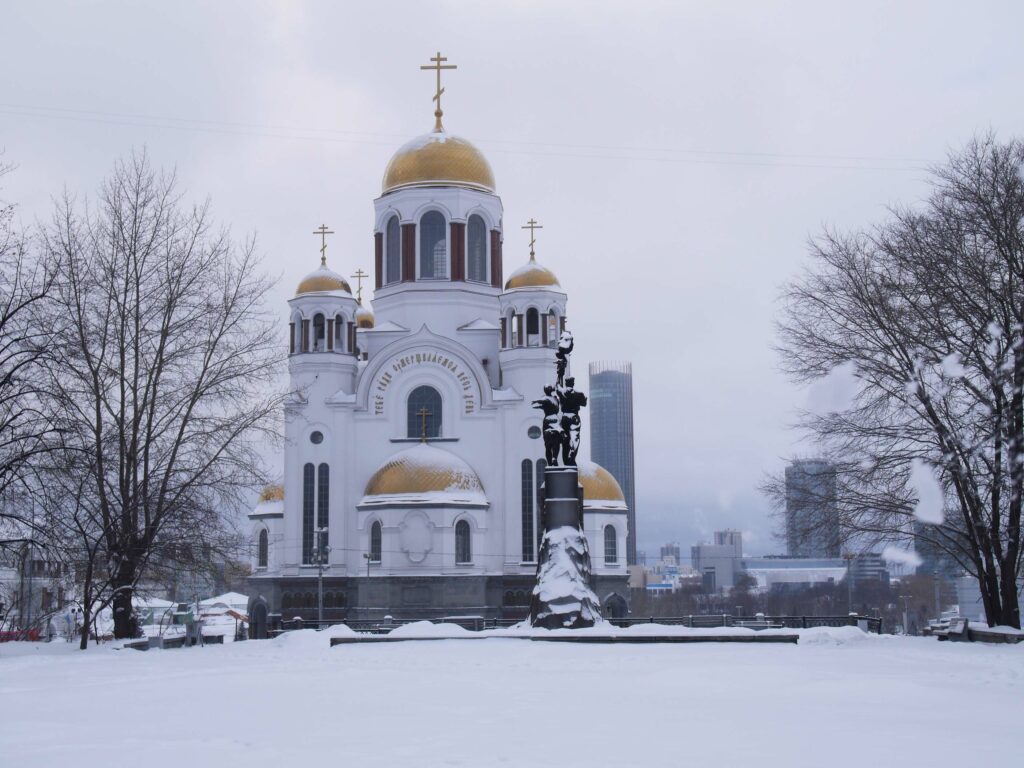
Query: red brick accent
{"type": "Point", "coordinates": [496, 280]}
{"type": "Point", "coordinates": [378, 258]}
{"type": "Point", "coordinates": [458, 251]}
{"type": "Point", "coordinates": [408, 253]}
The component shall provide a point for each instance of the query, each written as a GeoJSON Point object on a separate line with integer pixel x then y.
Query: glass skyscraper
{"type": "Point", "coordinates": [611, 433]}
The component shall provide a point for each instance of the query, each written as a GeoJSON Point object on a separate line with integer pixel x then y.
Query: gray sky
{"type": "Point", "coordinates": [677, 154]}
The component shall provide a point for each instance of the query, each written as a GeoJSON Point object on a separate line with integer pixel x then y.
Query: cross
{"type": "Point", "coordinates": [358, 277]}
{"type": "Point", "coordinates": [423, 414]}
{"type": "Point", "coordinates": [532, 225]}
{"type": "Point", "coordinates": [438, 66]}
{"type": "Point", "coordinates": [323, 231]}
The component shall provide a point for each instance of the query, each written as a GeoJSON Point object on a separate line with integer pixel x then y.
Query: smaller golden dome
{"type": "Point", "coordinates": [429, 472]}
{"type": "Point", "coordinates": [438, 159]}
{"type": "Point", "coordinates": [532, 275]}
{"type": "Point", "coordinates": [364, 316]}
{"type": "Point", "coordinates": [598, 484]}
{"type": "Point", "coordinates": [272, 493]}
{"type": "Point", "coordinates": [323, 280]}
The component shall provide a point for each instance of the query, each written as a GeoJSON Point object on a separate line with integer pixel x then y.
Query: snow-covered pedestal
{"type": "Point", "coordinates": [562, 597]}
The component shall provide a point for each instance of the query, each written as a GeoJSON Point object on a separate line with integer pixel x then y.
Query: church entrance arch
{"type": "Point", "coordinates": [258, 620]}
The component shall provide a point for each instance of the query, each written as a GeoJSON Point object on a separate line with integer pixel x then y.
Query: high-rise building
{"type": "Point", "coordinates": [718, 563]}
{"type": "Point", "coordinates": [812, 515]}
{"type": "Point", "coordinates": [611, 433]}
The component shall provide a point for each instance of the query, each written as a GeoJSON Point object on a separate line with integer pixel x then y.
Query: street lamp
{"type": "Point", "coordinates": [320, 553]}
{"type": "Point", "coordinates": [906, 614]}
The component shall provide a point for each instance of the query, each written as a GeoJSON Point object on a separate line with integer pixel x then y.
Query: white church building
{"type": "Point", "coordinates": [413, 457]}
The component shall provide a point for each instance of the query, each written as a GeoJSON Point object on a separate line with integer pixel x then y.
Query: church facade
{"type": "Point", "coordinates": [413, 456]}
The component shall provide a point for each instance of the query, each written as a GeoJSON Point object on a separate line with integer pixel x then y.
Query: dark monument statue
{"type": "Point", "coordinates": [570, 402]}
{"type": "Point", "coordinates": [563, 597]}
{"type": "Point", "coordinates": [552, 427]}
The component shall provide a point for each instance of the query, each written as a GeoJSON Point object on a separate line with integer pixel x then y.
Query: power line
{"type": "Point", "coordinates": [692, 156]}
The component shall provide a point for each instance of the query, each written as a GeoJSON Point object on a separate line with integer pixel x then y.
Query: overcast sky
{"type": "Point", "coordinates": [678, 155]}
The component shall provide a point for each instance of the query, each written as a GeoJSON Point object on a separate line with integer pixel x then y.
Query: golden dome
{"type": "Point", "coordinates": [598, 484]}
{"type": "Point", "coordinates": [272, 493]}
{"type": "Point", "coordinates": [364, 317]}
{"type": "Point", "coordinates": [532, 275]}
{"type": "Point", "coordinates": [438, 159]}
{"type": "Point", "coordinates": [322, 280]}
{"type": "Point", "coordinates": [424, 469]}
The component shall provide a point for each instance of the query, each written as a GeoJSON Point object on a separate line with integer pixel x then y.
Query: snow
{"type": "Point", "coordinates": [901, 556]}
{"type": "Point", "coordinates": [930, 497]}
{"type": "Point", "coordinates": [840, 699]}
{"type": "Point", "coordinates": [836, 392]}
{"type": "Point", "coordinates": [563, 581]}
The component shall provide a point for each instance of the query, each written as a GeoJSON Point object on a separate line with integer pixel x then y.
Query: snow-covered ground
{"type": "Point", "coordinates": [839, 698]}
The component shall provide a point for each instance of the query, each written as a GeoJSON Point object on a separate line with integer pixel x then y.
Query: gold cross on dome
{"type": "Point", "coordinates": [437, 66]}
{"type": "Point", "coordinates": [358, 277]}
{"type": "Point", "coordinates": [532, 225]}
{"type": "Point", "coordinates": [323, 231]}
{"type": "Point", "coordinates": [424, 414]}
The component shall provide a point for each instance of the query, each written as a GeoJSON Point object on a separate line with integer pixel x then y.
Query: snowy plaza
{"type": "Point", "coordinates": [839, 698]}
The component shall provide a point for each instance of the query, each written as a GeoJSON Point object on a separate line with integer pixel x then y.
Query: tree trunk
{"type": "Point", "coordinates": [124, 617]}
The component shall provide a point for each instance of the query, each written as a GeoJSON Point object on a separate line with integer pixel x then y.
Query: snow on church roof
{"type": "Point", "coordinates": [424, 474]}
{"type": "Point", "coordinates": [532, 275]}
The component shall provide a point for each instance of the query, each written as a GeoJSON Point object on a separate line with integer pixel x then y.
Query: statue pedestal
{"type": "Point", "coordinates": [562, 597]}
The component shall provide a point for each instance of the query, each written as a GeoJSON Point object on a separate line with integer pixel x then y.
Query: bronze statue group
{"type": "Point", "coordinates": [561, 406]}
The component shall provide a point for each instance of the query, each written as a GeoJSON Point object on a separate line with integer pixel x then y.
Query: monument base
{"type": "Point", "coordinates": [563, 598]}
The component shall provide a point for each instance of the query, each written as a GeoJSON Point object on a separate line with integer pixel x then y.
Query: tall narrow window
{"type": "Point", "coordinates": [476, 249]}
{"type": "Point", "coordinates": [291, 338]}
{"type": "Point", "coordinates": [541, 465]}
{"type": "Point", "coordinates": [528, 491]}
{"type": "Point", "coordinates": [323, 502]}
{"type": "Point", "coordinates": [552, 326]}
{"type": "Point", "coordinates": [319, 333]}
{"type": "Point", "coordinates": [393, 248]}
{"type": "Point", "coordinates": [262, 549]}
{"type": "Point", "coordinates": [532, 327]}
{"type": "Point", "coordinates": [463, 550]}
{"type": "Point", "coordinates": [308, 473]}
{"type": "Point", "coordinates": [433, 247]}
{"type": "Point", "coordinates": [339, 333]}
{"type": "Point", "coordinates": [611, 546]}
{"type": "Point", "coordinates": [423, 413]}
{"type": "Point", "coordinates": [375, 542]}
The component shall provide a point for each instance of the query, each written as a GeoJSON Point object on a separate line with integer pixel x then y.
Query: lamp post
{"type": "Point", "coordinates": [849, 581]}
{"type": "Point", "coordinates": [906, 614]}
{"type": "Point", "coordinates": [321, 552]}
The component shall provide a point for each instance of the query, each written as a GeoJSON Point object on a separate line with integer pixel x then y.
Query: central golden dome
{"type": "Point", "coordinates": [429, 472]}
{"type": "Point", "coordinates": [438, 159]}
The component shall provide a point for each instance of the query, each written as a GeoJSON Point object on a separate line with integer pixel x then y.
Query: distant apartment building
{"type": "Point", "coordinates": [718, 563]}
{"type": "Point", "coordinates": [611, 433]}
{"type": "Point", "coordinates": [671, 550]}
{"type": "Point", "coordinates": [812, 516]}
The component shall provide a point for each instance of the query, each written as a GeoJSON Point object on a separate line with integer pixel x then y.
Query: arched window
{"type": "Point", "coordinates": [308, 503]}
{"type": "Point", "coordinates": [527, 490]}
{"type": "Point", "coordinates": [262, 549]}
{"type": "Point", "coordinates": [611, 546]}
{"type": "Point", "coordinates": [476, 249]}
{"type": "Point", "coordinates": [541, 465]}
{"type": "Point", "coordinates": [463, 551]}
{"type": "Point", "coordinates": [393, 257]}
{"type": "Point", "coordinates": [532, 327]}
{"type": "Point", "coordinates": [375, 542]}
{"type": "Point", "coordinates": [339, 333]}
{"type": "Point", "coordinates": [423, 413]}
{"type": "Point", "coordinates": [433, 247]}
{"type": "Point", "coordinates": [319, 335]}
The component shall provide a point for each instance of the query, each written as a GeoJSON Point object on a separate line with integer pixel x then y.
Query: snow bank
{"type": "Point", "coordinates": [834, 636]}
{"type": "Point", "coordinates": [429, 629]}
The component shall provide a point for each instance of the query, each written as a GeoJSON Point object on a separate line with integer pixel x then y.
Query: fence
{"type": "Point", "coordinates": [478, 623]}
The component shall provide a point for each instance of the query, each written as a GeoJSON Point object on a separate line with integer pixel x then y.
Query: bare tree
{"type": "Point", "coordinates": [24, 426]}
{"type": "Point", "coordinates": [928, 308]}
{"type": "Point", "coordinates": [162, 380]}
